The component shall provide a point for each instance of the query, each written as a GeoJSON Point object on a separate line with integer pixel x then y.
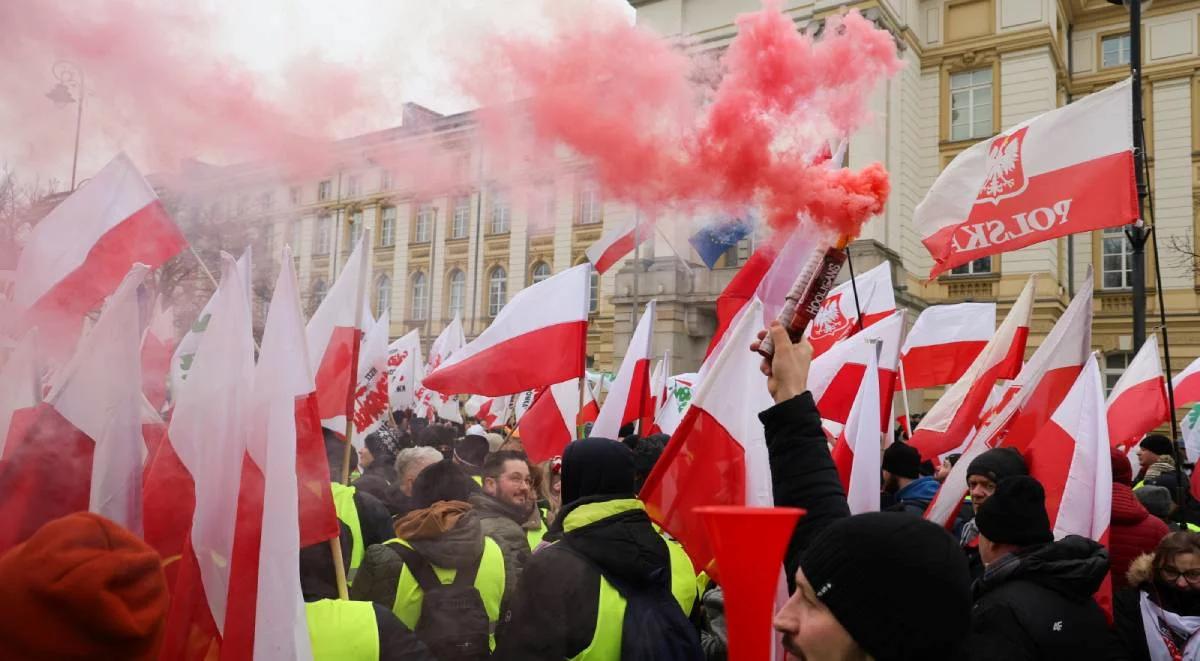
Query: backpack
{"type": "Point", "coordinates": [454, 624]}
{"type": "Point", "coordinates": [654, 627]}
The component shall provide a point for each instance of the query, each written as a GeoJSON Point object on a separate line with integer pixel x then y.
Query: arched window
{"type": "Point", "coordinates": [497, 290]}
{"type": "Point", "coordinates": [383, 295]}
{"type": "Point", "coordinates": [318, 292]}
{"type": "Point", "coordinates": [540, 272]}
{"type": "Point", "coordinates": [458, 285]}
{"type": "Point", "coordinates": [420, 297]}
{"type": "Point", "coordinates": [594, 292]}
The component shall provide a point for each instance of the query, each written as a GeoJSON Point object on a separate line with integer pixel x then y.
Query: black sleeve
{"type": "Point", "coordinates": [374, 519]}
{"type": "Point", "coordinates": [396, 641]}
{"type": "Point", "coordinates": [550, 620]}
{"type": "Point", "coordinates": [1128, 630]}
{"type": "Point", "coordinates": [802, 471]}
{"type": "Point", "coordinates": [378, 576]}
{"type": "Point", "coordinates": [997, 635]}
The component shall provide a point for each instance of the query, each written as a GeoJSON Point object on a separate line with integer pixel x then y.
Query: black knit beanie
{"type": "Point", "coordinates": [857, 559]}
{"type": "Point", "coordinates": [1158, 444]}
{"type": "Point", "coordinates": [902, 460]}
{"type": "Point", "coordinates": [1015, 513]}
{"type": "Point", "coordinates": [997, 464]}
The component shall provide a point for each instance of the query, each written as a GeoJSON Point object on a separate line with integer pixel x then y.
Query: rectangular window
{"type": "Point", "coordinates": [976, 267]}
{"type": "Point", "coordinates": [385, 180]}
{"type": "Point", "coordinates": [387, 227]}
{"type": "Point", "coordinates": [589, 207]}
{"type": "Point", "coordinates": [542, 209]}
{"type": "Point", "coordinates": [423, 225]}
{"type": "Point", "coordinates": [356, 228]}
{"type": "Point", "coordinates": [324, 190]}
{"type": "Point", "coordinates": [971, 104]}
{"type": "Point", "coordinates": [294, 193]}
{"type": "Point", "coordinates": [1114, 366]}
{"type": "Point", "coordinates": [501, 213]}
{"type": "Point", "coordinates": [1114, 51]}
{"type": "Point", "coordinates": [1116, 257]}
{"type": "Point", "coordinates": [243, 205]}
{"type": "Point", "coordinates": [295, 236]}
{"type": "Point", "coordinates": [321, 235]}
{"type": "Point", "coordinates": [352, 187]}
{"type": "Point", "coordinates": [266, 200]}
{"type": "Point", "coordinates": [462, 217]}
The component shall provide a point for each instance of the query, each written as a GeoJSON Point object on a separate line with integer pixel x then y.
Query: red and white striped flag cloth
{"type": "Point", "coordinates": [948, 424]}
{"type": "Point", "coordinates": [658, 385]}
{"type": "Point", "coordinates": [208, 432]}
{"type": "Point", "coordinates": [679, 398]}
{"type": "Point", "coordinates": [538, 339]}
{"type": "Point", "coordinates": [445, 406]}
{"type": "Point", "coordinates": [552, 421]}
{"type": "Point", "coordinates": [629, 395]}
{"type": "Point", "coordinates": [491, 412]}
{"type": "Point", "coordinates": [616, 243]}
{"type": "Point", "coordinates": [20, 387]}
{"type": "Point", "coordinates": [82, 449]}
{"type": "Point", "coordinates": [834, 378]}
{"type": "Point", "coordinates": [405, 370]}
{"type": "Point", "coordinates": [82, 249]}
{"type": "Point", "coordinates": [857, 450]}
{"type": "Point", "coordinates": [1138, 402]}
{"type": "Point", "coordinates": [1187, 384]}
{"type": "Point", "coordinates": [837, 317]}
{"type": "Point", "coordinates": [371, 402]}
{"type": "Point", "coordinates": [718, 456]}
{"type": "Point", "coordinates": [158, 345]}
{"type": "Point", "coordinates": [944, 342]}
{"type": "Point", "coordinates": [1063, 172]}
{"type": "Point", "coordinates": [334, 333]}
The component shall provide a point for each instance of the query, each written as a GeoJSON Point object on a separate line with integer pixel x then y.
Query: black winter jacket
{"type": "Point", "coordinates": [554, 611]}
{"type": "Point", "coordinates": [1037, 604]}
{"type": "Point", "coordinates": [802, 472]}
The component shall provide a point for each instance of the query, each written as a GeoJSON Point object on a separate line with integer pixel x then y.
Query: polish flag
{"type": "Point", "coordinates": [553, 420]}
{"type": "Point", "coordinates": [405, 370]}
{"type": "Point", "coordinates": [629, 395]}
{"type": "Point", "coordinates": [718, 456]}
{"type": "Point", "coordinates": [491, 412]}
{"type": "Point", "coordinates": [769, 275]}
{"type": "Point", "coordinates": [538, 339]}
{"type": "Point", "coordinates": [523, 400]}
{"type": "Point", "coordinates": [451, 339]}
{"type": "Point", "coordinates": [856, 452]}
{"type": "Point", "coordinates": [658, 386]}
{"type": "Point", "coordinates": [265, 617]}
{"type": "Point", "coordinates": [1048, 375]}
{"type": "Point", "coordinates": [997, 196]}
{"type": "Point", "coordinates": [679, 398]}
{"type": "Point", "coordinates": [158, 345]}
{"type": "Point", "coordinates": [1187, 384]}
{"type": "Point", "coordinates": [1138, 403]}
{"type": "Point", "coordinates": [616, 243]}
{"type": "Point", "coordinates": [82, 449]}
{"type": "Point", "coordinates": [948, 424]}
{"type": "Point", "coordinates": [82, 249]}
{"type": "Point", "coordinates": [209, 432]}
{"type": "Point", "coordinates": [837, 317]}
{"type": "Point", "coordinates": [334, 335]}
{"type": "Point", "coordinates": [185, 349]}
{"type": "Point", "coordinates": [20, 387]}
{"type": "Point", "coordinates": [371, 402]}
{"type": "Point", "coordinates": [944, 342]}
{"type": "Point", "coordinates": [834, 378]}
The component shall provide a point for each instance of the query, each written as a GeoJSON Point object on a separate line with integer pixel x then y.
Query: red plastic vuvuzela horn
{"type": "Point", "coordinates": [748, 545]}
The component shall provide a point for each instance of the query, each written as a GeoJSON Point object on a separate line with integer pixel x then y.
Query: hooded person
{"type": "Point", "coordinates": [1035, 599]}
{"type": "Point", "coordinates": [377, 460]}
{"type": "Point", "coordinates": [433, 544]}
{"type": "Point", "coordinates": [82, 587]}
{"type": "Point", "coordinates": [611, 587]}
{"type": "Point", "coordinates": [1158, 616]}
{"type": "Point", "coordinates": [905, 489]}
{"type": "Point", "coordinates": [1133, 531]}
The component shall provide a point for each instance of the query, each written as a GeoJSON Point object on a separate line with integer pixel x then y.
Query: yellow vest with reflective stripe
{"type": "Point", "coordinates": [610, 613]}
{"type": "Point", "coordinates": [535, 536]}
{"type": "Point", "coordinates": [489, 581]}
{"type": "Point", "coordinates": [342, 630]}
{"type": "Point", "coordinates": [347, 513]}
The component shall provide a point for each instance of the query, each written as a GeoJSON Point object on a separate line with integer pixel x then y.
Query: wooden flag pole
{"type": "Point", "coordinates": [339, 569]}
{"type": "Point", "coordinates": [359, 291]}
{"type": "Point", "coordinates": [904, 396]}
{"type": "Point", "coordinates": [587, 301]}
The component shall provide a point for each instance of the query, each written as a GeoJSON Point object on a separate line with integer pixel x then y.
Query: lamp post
{"type": "Point", "coordinates": [69, 76]}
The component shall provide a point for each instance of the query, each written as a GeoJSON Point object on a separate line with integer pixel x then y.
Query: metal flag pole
{"type": "Point", "coordinates": [854, 288]}
{"type": "Point", "coordinates": [359, 291]}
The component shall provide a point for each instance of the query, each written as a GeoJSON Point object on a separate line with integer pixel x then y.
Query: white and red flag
{"type": "Point", "coordinates": [81, 449]}
{"type": "Point", "coordinates": [185, 349]}
{"type": "Point", "coordinates": [1063, 172]}
{"type": "Point", "coordinates": [20, 387]}
{"type": "Point", "coordinates": [679, 398]}
{"type": "Point", "coordinates": [405, 370]}
{"type": "Point", "coordinates": [208, 433]}
{"type": "Point", "coordinates": [1138, 402]}
{"type": "Point", "coordinates": [838, 316]}
{"type": "Point", "coordinates": [82, 249]}
{"type": "Point", "coordinates": [158, 345]}
{"type": "Point", "coordinates": [334, 334]}
{"type": "Point", "coordinates": [658, 386]}
{"type": "Point", "coordinates": [616, 243]}
{"type": "Point", "coordinates": [552, 421]}
{"type": "Point", "coordinates": [834, 379]}
{"type": "Point", "coordinates": [857, 449]}
{"type": "Point", "coordinates": [491, 412]}
{"type": "Point", "coordinates": [944, 342]}
{"type": "Point", "coordinates": [629, 396]}
{"type": "Point", "coordinates": [371, 402]}
{"type": "Point", "coordinates": [718, 455]}
{"type": "Point", "coordinates": [538, 339]}
{"type": "Point", "coordinates": [1187, 384]}
{"type": "Point", "coordinates": [451, 339]}
{"type": "Point", "coordinates": [948, 424]}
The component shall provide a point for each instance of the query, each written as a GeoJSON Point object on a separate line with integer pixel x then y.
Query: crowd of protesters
{"type": "Point", "coordinates": [456, 546]}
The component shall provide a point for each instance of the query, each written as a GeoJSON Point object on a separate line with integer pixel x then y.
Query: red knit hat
{"type": "Point", "coordinates": [82, 587]}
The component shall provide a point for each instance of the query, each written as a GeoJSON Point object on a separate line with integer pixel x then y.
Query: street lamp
{"type": "Point", "coordinates": [69, 76]}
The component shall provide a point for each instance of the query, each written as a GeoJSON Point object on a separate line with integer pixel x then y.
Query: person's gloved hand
{"type": "Point", "coordinates": [787, 371]}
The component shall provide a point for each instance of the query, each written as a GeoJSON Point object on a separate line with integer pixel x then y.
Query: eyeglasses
{"type": "Point", "coordinates": [517, 478]}
{"type": "Point", "coordinates": [1170, 573]}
